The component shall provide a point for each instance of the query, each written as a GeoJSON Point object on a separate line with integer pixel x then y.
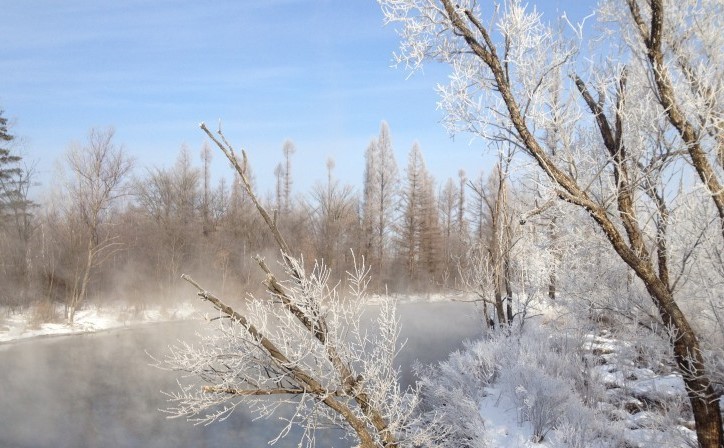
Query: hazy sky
{"type": "Point", "coordinates": [317, 72]}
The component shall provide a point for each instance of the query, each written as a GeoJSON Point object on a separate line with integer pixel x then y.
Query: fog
{"type": "Point", "coordinates": [100, 389]}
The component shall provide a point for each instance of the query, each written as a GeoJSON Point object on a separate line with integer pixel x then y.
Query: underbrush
{"type": "Point", "coordinates": [43, 312]}
{"type": "Point", "coordinates": [558, 387]}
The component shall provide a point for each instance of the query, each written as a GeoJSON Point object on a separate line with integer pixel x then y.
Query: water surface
{"type": "Point", "coordinates": [98, 390]}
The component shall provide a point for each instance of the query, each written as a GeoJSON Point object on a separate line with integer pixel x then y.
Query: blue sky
{"type": "Point", "coordinates": [316, 72]}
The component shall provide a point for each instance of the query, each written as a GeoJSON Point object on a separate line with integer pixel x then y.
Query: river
{"type": "Point", "coordinates": [99, 390]}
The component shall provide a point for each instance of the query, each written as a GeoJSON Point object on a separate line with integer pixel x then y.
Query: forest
{"type": "Point", "coordinates": [592, 245]}
{"type": "Point", "coordinates": [114, 231]}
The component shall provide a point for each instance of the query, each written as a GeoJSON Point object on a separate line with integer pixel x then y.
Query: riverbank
{"type": "Point", "coordinates": [22, 325]}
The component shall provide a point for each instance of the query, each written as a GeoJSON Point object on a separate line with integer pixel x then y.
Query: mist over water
{"type": "Point", "coordinates": [99, 390]}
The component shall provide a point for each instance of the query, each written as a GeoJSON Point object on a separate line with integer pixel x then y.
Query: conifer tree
{"type": "Point", "coordinates": [9, 171]}
{"type": "Point", "coordinates": [288, 150]}
{"type": "Point", "coordinates": [381, 185]}
{"type": "Point", "coordinates": [419, 230]}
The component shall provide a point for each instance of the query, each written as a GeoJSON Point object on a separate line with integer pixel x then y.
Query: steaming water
{"type": "Point", "coordinates": [98, 390]}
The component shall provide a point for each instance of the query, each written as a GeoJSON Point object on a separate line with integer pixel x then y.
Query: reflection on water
{"type": "Point", "coordinates": [99, 390]}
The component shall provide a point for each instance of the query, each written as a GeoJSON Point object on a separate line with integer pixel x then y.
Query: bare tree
{"type": "Point", "coordinates": [171, 200]}
{"type": "Point", "coordinates": [501, 90]}
{"type": "Point", "coordinates": [206, 199]}
{"type": "Point", "coordinates": [410, 225]}
{"type": "Point", "coordinates": [334, 220]}
{"type": "Point", "coordinates": [279, 190]}
{"type": "Point", "coordinates": [381, 185]}
{"type": "Point", "coordinates": [98, 170]}
{"type": "Point", "coordinates": [462, 223]}
{"type": "Point", "coordinates": [303, 345]}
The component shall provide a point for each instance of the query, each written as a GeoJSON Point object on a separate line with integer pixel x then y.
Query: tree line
{"type": "Point", "coordinates": [111, 230]}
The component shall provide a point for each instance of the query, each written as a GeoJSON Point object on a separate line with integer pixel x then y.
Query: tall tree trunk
{"type": "Point", "coordinates": [79, 294]}
{"type": "Point", "coordinates": [702, 397]}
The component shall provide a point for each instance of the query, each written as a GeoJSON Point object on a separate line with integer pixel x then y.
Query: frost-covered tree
{"type": "Point", "coordinates": [369, 202]}
{"type": "Point", "coordinates": [418, 233]}
{"type": "Point", "coordinates": [410, 224]}
{"type": "Point", "coordinates": [448, 199]}
{"type": "Point", "coordinates": [279, 189]}
{"type": "Point", "coordinates": [496, 240]}
{"type": "Point", "coordinates": [633, 125]}
{"type": "Point", "coordinates": [303, 345]}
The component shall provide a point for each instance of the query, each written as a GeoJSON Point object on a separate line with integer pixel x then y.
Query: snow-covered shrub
{"type": "Point", "coordinates": [583, 427]}
{"type": "Point", "coordinates": [551, 379]}
{"type": "Point", "coordinates": [541, 399]}
{"type": "Point", "coordinates": [560, 385]}
{"type": "Point", "coordinates": [451, 392]}
{"type": "Point", "coordinates": [541, 371]}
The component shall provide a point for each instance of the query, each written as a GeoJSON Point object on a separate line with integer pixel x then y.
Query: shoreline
{"type": "Point", "coordinates": [91, 320]}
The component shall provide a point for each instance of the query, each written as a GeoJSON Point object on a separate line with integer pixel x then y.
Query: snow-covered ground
{"type": "Point", "coordinates": [373, 299]}
{"type": "Point", "coordinates": [585, 391]}
{"type": "Point", "coordinates": [17, 326]}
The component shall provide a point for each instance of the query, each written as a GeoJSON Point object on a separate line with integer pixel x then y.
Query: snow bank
{"type": "Point", "coordinates": [550, 388]}
{"type": "Point", "coordinates": [17, 326]}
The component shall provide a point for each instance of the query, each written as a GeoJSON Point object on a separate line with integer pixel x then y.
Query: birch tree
{"type": "Point", "coordinates": [506, 70]}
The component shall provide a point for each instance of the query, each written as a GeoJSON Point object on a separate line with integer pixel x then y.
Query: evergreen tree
{"type": "Point", "coordinates": [10, 173]}
{"type": "Point", "coordinates": [16, 223]}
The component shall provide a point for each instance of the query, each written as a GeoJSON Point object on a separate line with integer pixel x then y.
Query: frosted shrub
{"type": "Point", "coordinates": [451, 392]}
{"type": "Point", "coordinates": [474, 367]}
{"type": "Point", "coordinates": [541, 399]}
{"type": "Point", "coordinates": [582, 427]}
{"type": "Point", "coordinates": [544, 373]}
